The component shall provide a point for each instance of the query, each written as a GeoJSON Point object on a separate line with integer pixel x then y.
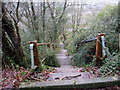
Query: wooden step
{"type": "Point", "coordinates": [82, 83]}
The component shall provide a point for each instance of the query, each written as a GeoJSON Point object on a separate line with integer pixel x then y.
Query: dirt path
{"type": "Point", "coordinates": [63, 57]}
{"type": "Point", "coordinates": [67, 71]}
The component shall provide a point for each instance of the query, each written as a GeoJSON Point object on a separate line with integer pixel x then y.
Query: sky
{"type": "Point", "coordinates": [105, 1]}
{"type": "Point", "coordinates": [88, 1]}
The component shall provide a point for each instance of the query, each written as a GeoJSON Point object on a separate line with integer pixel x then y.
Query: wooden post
{"type": "Point", "coordinates": [36, 53]}
{"type": "Point", "coordinates": [99, 55]}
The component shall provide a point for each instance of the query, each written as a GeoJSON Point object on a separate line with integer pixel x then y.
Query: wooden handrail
{"type": "Point", "coordinates": [40, 44]}
{"type": "Point", "coordinates": [36, 52]}
{"type": "Point", "coordinates": [99, 48]}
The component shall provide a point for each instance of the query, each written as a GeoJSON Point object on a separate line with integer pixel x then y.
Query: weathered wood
{"type": "Point", "coordinates": [36, 54]}
{"type": "Point", "coordinates": [80, 83]}
{"type": "Point", "coordinates": [40, 44]}
{"type": "Point", "coordinates": [99, 50]}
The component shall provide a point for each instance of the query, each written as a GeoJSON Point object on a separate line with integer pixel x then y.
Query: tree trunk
{"type": "Point", "coordinates": [43, 17]}
{"type": "Point", "coordinates": [34, 21]}
{"type": "Point", "coordinates": [118, 28]}
{"type": "Point", "coordinates": [9, 29]}
{"type": "Point", "coordinates": [55, 21]}
{"type": "Point", "coordinates": [8, 50]}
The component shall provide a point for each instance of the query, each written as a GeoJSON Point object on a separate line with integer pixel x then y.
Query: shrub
{"type": "Point", "coordinates": [50, 57]}
{"type": "Point", "coordinates": [110, 66]}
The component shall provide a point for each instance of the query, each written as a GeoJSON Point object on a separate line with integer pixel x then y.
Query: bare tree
{"type": "Point", "coordinates": [76, 16]}
{"type": "Point", "coordinates": [16, 18]}
{"type": "Point", "coordinates": [56, 21]}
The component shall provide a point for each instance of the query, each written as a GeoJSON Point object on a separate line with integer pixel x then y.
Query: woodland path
{"type": "Point", "coordinates": [68, 76]}
{"type": "Point", "coordinates": [67, 71]}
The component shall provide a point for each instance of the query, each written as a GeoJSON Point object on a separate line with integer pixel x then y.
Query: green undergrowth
{"type": "Point", "coordinates": [48, 55]}
{"type": "Point", "coordinates": [110, 66]}
{"type": "Point", "coordinates": [51, 60]}
{"type": "Point", "coordinates": [49, 68]}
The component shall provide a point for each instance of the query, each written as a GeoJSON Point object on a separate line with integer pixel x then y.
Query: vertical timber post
{"type": "Point", "coordinates": [36, 54]}
{"type": "Point", "coordinates": [99, 49]}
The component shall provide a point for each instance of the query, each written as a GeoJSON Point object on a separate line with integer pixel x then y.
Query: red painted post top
{"type": "Point", "coordinates": [101, 34]}
{"type": "Point", "coordinates": [32, 42]}
{"type": "Point", "coordinates": [39, 44]}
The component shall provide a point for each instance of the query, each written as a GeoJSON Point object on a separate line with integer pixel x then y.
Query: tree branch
{"type": "Point", "coordinates": [17, 10]}
{"type": "Point", "coordinates": [51, 11]}
{"type": "Point", "coordinates": [65, 6]}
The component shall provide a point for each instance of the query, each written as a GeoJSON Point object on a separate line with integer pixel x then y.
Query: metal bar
{"type": "Point", "coordinates": [90, 40]}
{"type": "Point", "coordinates": [86, 41]}
{"type": "Point", "coordinates": [103, 46]}
{"type": "Point", "coordinates": [32, 56]}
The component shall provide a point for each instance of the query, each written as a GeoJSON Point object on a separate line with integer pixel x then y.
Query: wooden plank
{"type": "Point", "coordinates": [80, 83]}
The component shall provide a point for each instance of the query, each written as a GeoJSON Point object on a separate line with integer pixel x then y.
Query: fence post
{"type": "Point", "coordinates": [99, 49]}
{"type": "Point", "coordinates": [36, 54]}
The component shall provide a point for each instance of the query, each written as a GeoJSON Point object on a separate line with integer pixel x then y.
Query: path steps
{"type": "Point", "coordinates": [66, 71]}
{"type": "Point", "coordinates": [84, 84]}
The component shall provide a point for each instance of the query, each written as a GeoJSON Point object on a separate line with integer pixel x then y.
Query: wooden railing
{"type": "Point", "coordinates": [100, 45]}
{"type": "Point", "coordinates": [37, 61]}
{"type": "Point", "coordinates": [100, 52]}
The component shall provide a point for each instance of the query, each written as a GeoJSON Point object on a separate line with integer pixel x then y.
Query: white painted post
{"type": "Point", "coordinates": [32, 56]}
{"type": "Point", "coordinates": [103, 46]}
